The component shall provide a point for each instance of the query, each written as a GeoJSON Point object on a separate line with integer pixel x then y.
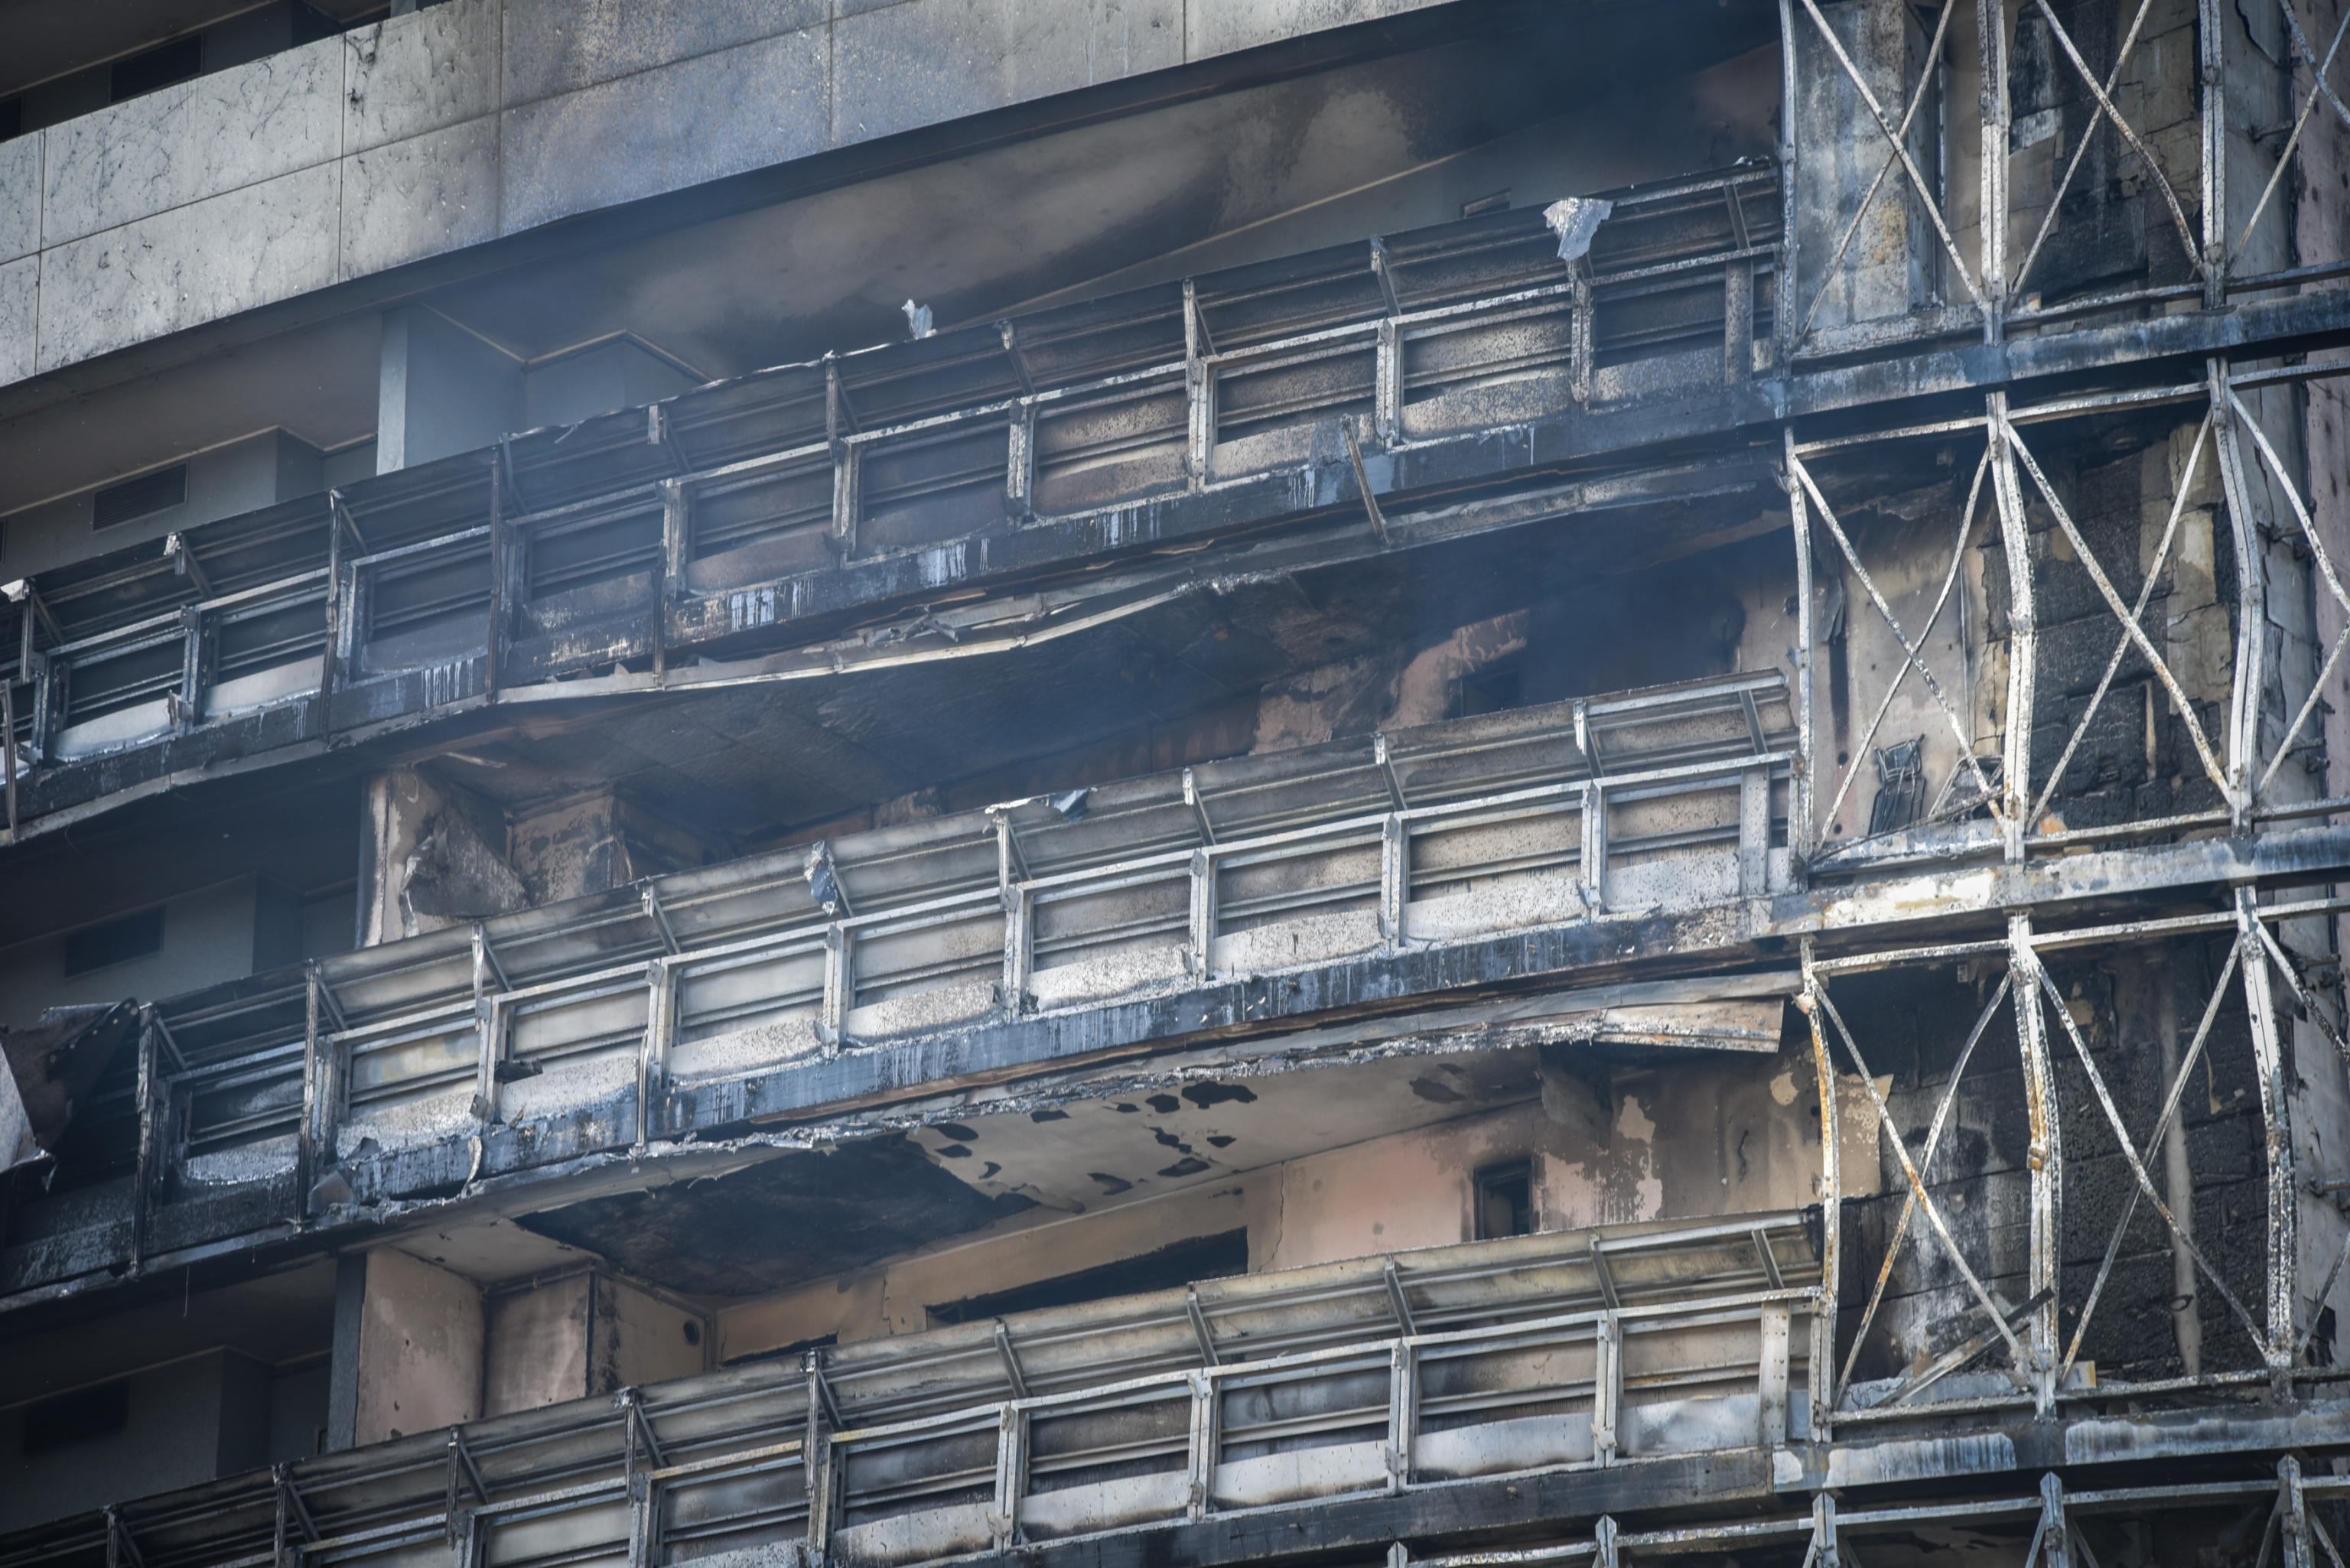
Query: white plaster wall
{"type": "Point", "coordinates": [419, 1356]}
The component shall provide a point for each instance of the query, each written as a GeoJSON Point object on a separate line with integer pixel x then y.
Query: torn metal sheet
{"type": "Point", "coordinates": [52, 1067]}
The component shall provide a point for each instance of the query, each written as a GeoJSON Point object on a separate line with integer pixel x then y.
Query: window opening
{"type": "Point", "coordinates": [1505, 1201]}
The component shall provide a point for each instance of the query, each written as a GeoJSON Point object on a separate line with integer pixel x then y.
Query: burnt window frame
{"type": "Point", "coordinates": [1491, 1183]}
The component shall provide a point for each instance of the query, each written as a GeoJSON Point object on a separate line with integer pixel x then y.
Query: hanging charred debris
{"type": "Point", "coordinates": [1521, 784]}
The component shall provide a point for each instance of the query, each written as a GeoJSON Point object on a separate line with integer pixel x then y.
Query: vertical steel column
{"type": "Point", "coordinates": [1800, 833]}
{"type": "Point", "coordinates": [2210, 23]}
{"type": "Point", "coordinates": [1823, 1314]}
{"type": "Point", "coordinates": [2272, 1057]}
{"type": "Point", "coordinates": [1783, 292]}
{"type": "Point", "coordinates": [2045, 1157]}
{"type": "Point", "coordinates": [2252, 604]}
{"type": "Point", "coordinates": [1991, 35]}
{"type": "Point", "coordinates": [2023, 629]}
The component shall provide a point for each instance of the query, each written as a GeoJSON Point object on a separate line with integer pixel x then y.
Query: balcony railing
{"type": "Point", "coordinates": [699, 523]}
{"type": "Point", "coordinates": [1674, 797]}
{"type": "Point", "coordinates": [1581, 1350]}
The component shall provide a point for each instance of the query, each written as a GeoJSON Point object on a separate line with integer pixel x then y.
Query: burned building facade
{"type": "Point", "coordinates": [1097, 783]}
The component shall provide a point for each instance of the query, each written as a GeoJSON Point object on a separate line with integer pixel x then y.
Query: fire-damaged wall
{"type": "Point", "coordinates": [2143, 1018]}
{"type": "Point", "coordinates": [1635, 1144]}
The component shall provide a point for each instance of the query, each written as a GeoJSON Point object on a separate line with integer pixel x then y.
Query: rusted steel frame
{"type": "Point", "coordinates": [2318, 553]}
{"type": "Point", "coordinates": [2196, 256]}
{"type": "Point", "coordinates": [2161, 1125]}
{"type": "Point", "coordinates": [1916, 658]}
{"type": "Point", "coordinates": [1821, 1361]}
{"type": "Point", "coordinates": [2096, 304]}
{"type": "Point", "coordinates": [2137, 1167]}
{"type": "Point", "coordinates": [1908, 116]}
{"type": "Point", "coordinates": [2022, 623]}
{"type": "Point", "coordinates": [1900, 149]}
{"type": "Point", "coordinates": [2132, 623]}
{"type": "Point", "coordinates": [1892, 686]}
{"type": "Point", "coordinates": [2045, 1159]}
{"type": "Point", "coordinates": [1783, 281]}
{"type": "Point", "coordinates": [1909, 1202]}
{"type": "Point", "coordinates": [1902, 432]}
{"type": "Point", "coordinates": [168, 625]}
{"type": "Point", "coordinates": [2211, 20]}
{"type": "Point", "coordinates": [1823, 1002]}
{"type": "Point", "coordinates": [2252, 592]}
{"type": "Point", "coordinates": [2112, 830]}
{"type": "Point", "coordinates": [2131, 629]}
{"type": "Point", "coordinates": [2322, 88]}
{"type": "Point", "coordinates": [2081, 150]}
{"type": "Point", "coordinates": [1991, 118]}
{"type": "Point", "coordinates": [2268, 914]}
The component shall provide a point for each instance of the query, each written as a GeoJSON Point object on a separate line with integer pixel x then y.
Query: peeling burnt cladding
{"type": "Point", "coordinates": [2091, 937]}
{"type": "Point", "coordinates": [1034, 937]}
{"type": "Point", "coordinates": [874, 488]}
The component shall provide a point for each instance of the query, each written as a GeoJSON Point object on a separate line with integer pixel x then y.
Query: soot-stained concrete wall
{"type": "Point", "coordinates": [408, 1351]}
{"type": "Point", "coordinates": [1912, 1026]}
{"type": "Point", "coordinates": [1714, 1137]}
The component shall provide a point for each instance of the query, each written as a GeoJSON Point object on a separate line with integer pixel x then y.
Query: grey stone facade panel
{"type": "Point", "coordinates": [188, 265]}
{"type": "Point", "coordinates": [20, 295]}
{"type": "Point", "coordinates": [556, 46]}
{"type": "Point", "coordinates": [444, 128]}
{"type": "Point", "coordinates": [636, 136]}
{"type": "Point", "coordinates": [419, 197]}
{"type": "Point", "coordinates": [421, 73]}
{"type": "Point", "coordinates": [199, 139]}
{"type": "Point", "coordinates": [20, 220]}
